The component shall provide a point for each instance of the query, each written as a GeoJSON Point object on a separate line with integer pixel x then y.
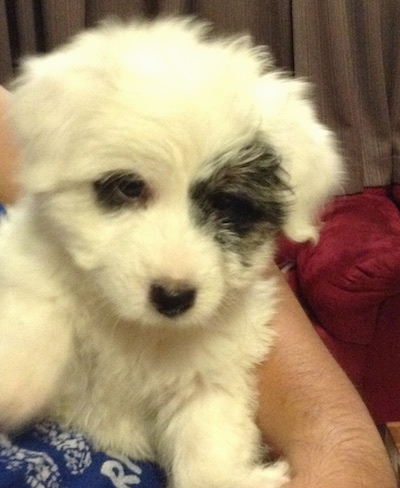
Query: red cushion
{"type": "Point", "coordinates": [396, 193]}
{"type": "Point", "coordinates": [382, 382]}
{"type": "Point", "coordinates": [354, 267]}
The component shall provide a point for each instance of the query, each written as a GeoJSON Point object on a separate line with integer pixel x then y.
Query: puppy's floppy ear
{"type": "Point", "coordinates": [313, 167]}
{"type": "Point", "coordinates": [42, 112]}
{"type": "Point", "coordinates": [51, 99]}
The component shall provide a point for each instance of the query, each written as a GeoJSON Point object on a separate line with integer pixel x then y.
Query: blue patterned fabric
{"type": "Point", "coordinates": [50, 457]}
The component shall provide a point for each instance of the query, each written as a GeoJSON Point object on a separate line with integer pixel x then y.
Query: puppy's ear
{"type": "Point", "coordinates": [44, 98]}
{"type": "Point", "coordinates": [313, 167]}
{"type": "Point", "coordinates": [51, 99]}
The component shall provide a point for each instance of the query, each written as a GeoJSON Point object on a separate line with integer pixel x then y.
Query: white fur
{"type": "Point", "coordinates": [79, 339]}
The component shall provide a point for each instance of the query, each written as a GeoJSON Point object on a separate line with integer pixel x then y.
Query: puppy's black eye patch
{"type": "Point", "coordinates": [236, 208]}
{"type": "Point", "coordinates": [116, 190]}
{"type": "Point", "coordinates": [245, 194]}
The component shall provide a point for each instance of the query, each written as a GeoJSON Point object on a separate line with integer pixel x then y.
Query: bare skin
{"type": "Point", "coordinates": [309, 411]}
{"type": "Point", "coordinates": [8, 154]}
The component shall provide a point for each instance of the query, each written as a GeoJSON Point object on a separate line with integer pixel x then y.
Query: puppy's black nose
{"type": "Point", "coordinates": [172, 299]}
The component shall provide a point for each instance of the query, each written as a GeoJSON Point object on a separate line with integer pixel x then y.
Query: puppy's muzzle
{"type": "Point", "coordinates": [172, 298]}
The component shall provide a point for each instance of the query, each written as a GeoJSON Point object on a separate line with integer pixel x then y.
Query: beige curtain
{"type": "Point", "coordinates": [350, 49]}
{"type": "Point", "coordinates": [28, 26]}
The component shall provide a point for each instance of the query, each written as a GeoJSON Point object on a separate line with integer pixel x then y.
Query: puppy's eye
{"type": "Point", "coordinates": [235, 208]}
{"type": "Point", "coordinates": [130, 188]}
{"type": "Point", "coordinates": [120, 189]}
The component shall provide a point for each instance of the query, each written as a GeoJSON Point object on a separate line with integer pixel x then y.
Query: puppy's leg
{"type": "Point", "coordinates": [214, 443]}
{"type": "Point", "coordinates": [34, 348]}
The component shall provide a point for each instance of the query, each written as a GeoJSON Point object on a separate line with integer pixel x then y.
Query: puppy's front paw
{"type": "Point", "coordinates": [274, 476]}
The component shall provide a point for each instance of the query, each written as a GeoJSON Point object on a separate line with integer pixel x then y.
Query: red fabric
{"type": "Point", "coordinates": [382, 375]}
{"type": "Point", "coordinates": [396, 194]}
{"type": "Point", "coordinates": [350, 285]}
{"type": "Point", "coordinates": [354, 267]}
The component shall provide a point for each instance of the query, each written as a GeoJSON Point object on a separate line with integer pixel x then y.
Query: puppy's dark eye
{"type": "Point", "coordinates": [130, 188]}
{"type": "Point", "coordinates": [120, 189]}
{"type": "Point", "coordinates": [235, 208]}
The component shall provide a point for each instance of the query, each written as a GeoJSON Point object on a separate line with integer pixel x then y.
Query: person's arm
{"type": "Point", "coordinates": [8, 154]}
{"type": "Point", "coordinates": [311, 414]}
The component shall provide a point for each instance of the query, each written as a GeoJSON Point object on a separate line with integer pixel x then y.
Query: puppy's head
{"type": "Point", "coordinates": [164, 164]}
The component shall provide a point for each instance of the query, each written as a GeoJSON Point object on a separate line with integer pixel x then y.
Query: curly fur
{"type": "Point", "coordinates": [159, 164]}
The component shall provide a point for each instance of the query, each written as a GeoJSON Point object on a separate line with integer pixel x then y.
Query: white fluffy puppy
{"type": "Point", "coordinates": [158, 167]}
